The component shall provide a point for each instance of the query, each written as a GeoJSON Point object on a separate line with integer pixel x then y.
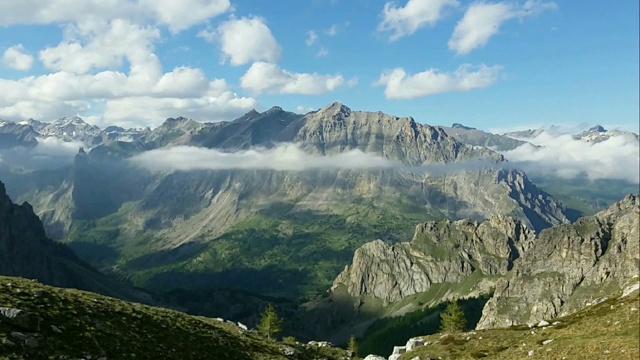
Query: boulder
{"type": "Point", "coordinates": [374, 357]}
{"type": "Point", "coordinates": [399, 350]}
{"type": "Point", "coordinates": [243, 326]}
{"type": "Point", "coordinates": [414, 343]}
{"type": "Point", "coordinates": [7, 342]}
{"type": "Point", "coordinates": [597, 301]}
{"type": "Point", "coordinates": [543, 323]}
{"type": "Point", "coordinates": [23, 319]}
{"type": "Point", "coordinates": [56, 329]}
{"type": "Point", "coordinates": [19, 335]}
{"type": "Point", "coordinates": [288, 351]}
{"type": "Point", "coordinates": [630, 289]}
{"type": "Point", "coordinates": [31, 342]}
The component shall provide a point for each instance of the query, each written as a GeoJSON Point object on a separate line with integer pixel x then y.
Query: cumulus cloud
{"type": "Point", "coordinates": [113, 96]}
{"type": "Point", "coordinates": [17, 58]}
{"type": "Point", "coordinates": [266, 77]}
{"type": "Point", "coordinates": [132, 111]}
{"type": "Point", "coordinates": [406, 20]}
{"type": "Point", "coordinates": [400, 85]}
{"type": "Point", "coordinates": [322, 52]}
{"type": "Point", "coordinates": [284, 157]}
{"type": "Point", "coordinates": [127, 98]}
{"type": "Point", "coordinates": [106, 69]}
{"type": "Point", "coordinates": [562, 155]}
{"type": "Point", "coordinates": [304, 109]}
{"type": "Point", "coordinates": [92, 45]}
{"type": "Point", "coordinates": [245, 40]}
{"type": "Point", "coordinates": [483, 20]}
{"type": "Point", "coordinates": [180, 15]}
{"type": "Point", "coordinates": [176, 15]}
{"type": "Point", "coordinates": [332, 30]}
{"type": "Point", "coordinates": [311, 37]}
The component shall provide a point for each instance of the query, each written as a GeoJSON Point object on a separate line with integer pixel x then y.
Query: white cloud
{"type": "Point", "coordinates": [322, 52]}
{"type": "Point", "coordinates": [563, 156]}
{"type": "Point", "coordinates": [483, 20]}
{"type": "Point", "coordinates": [128, 99]}
{"type": "Point", "coordinates": [133, 111]}
{"type": "Point", "coordinates": [284, 157]}
{"type": "Point", "coordinates": [332, 31]}
{"type": "Point", "coordinates": [406, 20]}
{"type": "Point", "coordinates": [180, 15]}
{"type": "Point", "coordinates": [400, 85]}
{"type": "Point", "coordinates": [17, 58]}
{"type": "Point", "coordinates": [92, 45]}
{"type": "Point", "coordinates": [304, 109]}
{"type": "Point", "coordinates": [245, 40]}
{"type": "Point", "coordinates": [311, 37]}
{"type": "Point", "coordinates": [105, 67]}
{"type": "Point", "coordinates": [266, 77]}
{"type": "Point", "coordinates": [176, 15]}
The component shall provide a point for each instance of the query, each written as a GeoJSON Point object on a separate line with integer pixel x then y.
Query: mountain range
{"type": "Point", "coordinates": [262, 227]}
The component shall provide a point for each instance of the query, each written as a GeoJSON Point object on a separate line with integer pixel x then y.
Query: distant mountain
{"type": "Point", "coordinates": [472, 136]}
{"type": "Point", "coordinates": [26, 251]}
{"type": "Point", "coordinates": [524, 134]}
{"type": "Point", "coordinates": [598, 134]}
{"type": "Point", "coordinates": [595, 134]}
{"type": "Point", "coordinates": [582, 195]}
{"type": "Point", "coordinates": [25, 133]}
{"type": "Point", "coordinates": [17, 134]}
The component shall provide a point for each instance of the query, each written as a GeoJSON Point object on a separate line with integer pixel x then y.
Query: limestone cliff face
{"type": "Point", "coordinates": [336, 128]}
{"type": "Point", "coordinates": [440, 252]}
{"type": "Point", "coordinates": [569, 266]}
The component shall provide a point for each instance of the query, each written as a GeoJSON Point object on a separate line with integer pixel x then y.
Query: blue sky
{"type": "Point", "coordinates": [494, 65]}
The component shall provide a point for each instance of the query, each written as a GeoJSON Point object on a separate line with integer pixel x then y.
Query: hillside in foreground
{"type": "Point", "coordinates": [609, 329]}
{"type": "Point", "coordinates": [59, 323]}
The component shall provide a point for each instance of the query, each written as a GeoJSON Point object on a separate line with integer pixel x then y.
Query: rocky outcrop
{"type": "Point", "coordinates": [22, 319]}
{"type": "Point", "coordinates": [440, 252]}
{"type": "Point", "coordinates": [26, 251]}
{"type": "Point", "coordinates": [471, 136]}
{"type": "Point", "coordinates": [568, 266]}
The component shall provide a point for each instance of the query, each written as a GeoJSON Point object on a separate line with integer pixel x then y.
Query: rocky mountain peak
{"type": "Point", "coordinates": [597, 128]}
{"type": "Point", "coordinates": [274, 110]}
{"type": "Point", "coordinates": [179, 122]}
{"type": "Point", "coordinates": [113, 128]}
{"type": "Point", "coordinates": [81, 157]}
{"type": "Point", "coordinates": [460, 126]}
{"type": "Point", "coordinates": [335, 110]}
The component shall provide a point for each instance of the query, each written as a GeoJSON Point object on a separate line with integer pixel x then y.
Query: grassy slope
{"type": "Point", "coordinates": [101, 326]}
{"type": "Point", "coordinates": [609, 330]}
{"type": "Point", "coordinates": [277, 252]}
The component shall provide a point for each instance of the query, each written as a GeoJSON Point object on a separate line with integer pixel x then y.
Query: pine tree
{"type": "Point", "coordinates": [353, 346]}
{"type": "Point", "coordinates": [270, 323]}
{"type": "Point", "coordinates": [452, 319]}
